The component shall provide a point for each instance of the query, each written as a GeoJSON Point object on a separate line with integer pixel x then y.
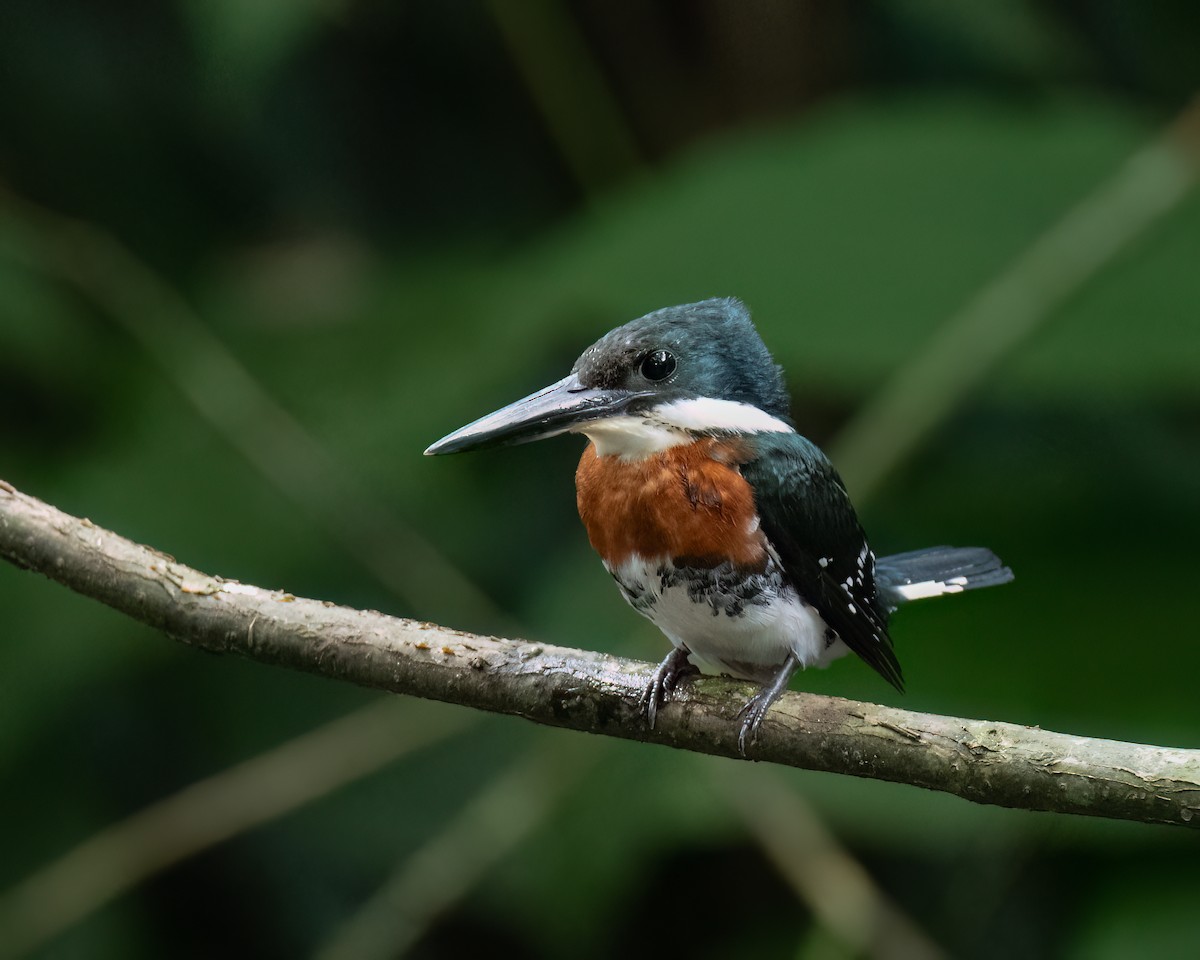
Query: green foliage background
{"type": "Point", "coordinates": [366, 204]}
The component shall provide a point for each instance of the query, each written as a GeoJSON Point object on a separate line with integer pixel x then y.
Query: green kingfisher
{"type": "Point", "coordinates": [719, 522]}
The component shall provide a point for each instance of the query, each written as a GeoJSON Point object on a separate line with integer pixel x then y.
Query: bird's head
{"type": "Point", "coordinates": [699, 369]}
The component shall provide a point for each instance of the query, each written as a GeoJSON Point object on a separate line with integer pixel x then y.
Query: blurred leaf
{"type": "Point", "coordinates": [853, 237]}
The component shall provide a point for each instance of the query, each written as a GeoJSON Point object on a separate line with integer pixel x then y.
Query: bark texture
{"type": "Point", "coordinates": [984, 761]}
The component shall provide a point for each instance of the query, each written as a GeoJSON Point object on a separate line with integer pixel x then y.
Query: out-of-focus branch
{"type": "Point", "coordinates": [983, 761]}
{"type": "Point", "coordinates": [204, 813]}
{"type": "Point", "coordinates": [158, 319]}
{"type": "Point", "coordinates": [844, 899]}
{"type": "Point", "coordinates": [447, 867]}
{"type": "Point", "coordinates": [567, 87]}
{"type": "Point", "coordinates": [900, 417]}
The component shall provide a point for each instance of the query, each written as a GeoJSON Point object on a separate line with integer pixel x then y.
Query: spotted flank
{"type": "Point", "coordinates": [743, 624]}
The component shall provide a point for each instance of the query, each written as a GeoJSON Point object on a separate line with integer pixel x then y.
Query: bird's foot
{"type": "Point", "coordinates": [755, 710]}
{"type": "Point", "coordinates": [752, 715]}
{"type": "Point", "coordinates": [662, 684]}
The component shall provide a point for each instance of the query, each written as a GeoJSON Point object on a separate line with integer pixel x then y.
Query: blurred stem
{"type": "Point", "coordinates": [209, 811]}
{"type": "Point", "coordinates": [443, 871]}
{"type": "Point", "coordinates": [901, 417]}
{"type": "Point", "coordinates": [232, 401]}
{"type": "Point", "coordinates": [570, 91]}
{"type": "Point", "coordinates": [820, 871]}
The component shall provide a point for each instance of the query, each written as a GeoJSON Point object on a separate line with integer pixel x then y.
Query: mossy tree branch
{"type": "Point", "coordinates": [987, 762]}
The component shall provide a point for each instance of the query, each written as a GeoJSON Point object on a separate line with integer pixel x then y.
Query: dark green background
{"type": "Point", "coordinates": [366, 205]}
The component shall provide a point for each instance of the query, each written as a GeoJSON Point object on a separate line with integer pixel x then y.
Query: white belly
{"type": "Point", "coordinates": [742, 627]}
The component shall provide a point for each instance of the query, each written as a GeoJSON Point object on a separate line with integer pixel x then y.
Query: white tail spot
{"type": "Point", "coordinates": [931, 588]}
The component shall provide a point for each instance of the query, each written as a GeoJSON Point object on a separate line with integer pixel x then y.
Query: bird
{"type": "Point", "coordinates": [720, 523]}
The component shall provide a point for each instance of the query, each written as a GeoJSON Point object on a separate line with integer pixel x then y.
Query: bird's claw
{"type": "Point", "coordinates": [755, 709]}
{"type": "Point", "coordinates": [664, 681]}
{"type": "Point", "coordinates": [752, 713]}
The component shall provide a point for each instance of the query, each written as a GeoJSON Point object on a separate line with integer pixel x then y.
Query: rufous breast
{"type": "Point", "coordinates": [689, 503]}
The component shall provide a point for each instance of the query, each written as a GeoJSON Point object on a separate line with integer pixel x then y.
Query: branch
{"type": "Point", "coordinates": [998, 763]}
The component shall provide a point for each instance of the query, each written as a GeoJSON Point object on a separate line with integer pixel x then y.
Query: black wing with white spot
{"type": "Point", "coordinates": [807, 515]}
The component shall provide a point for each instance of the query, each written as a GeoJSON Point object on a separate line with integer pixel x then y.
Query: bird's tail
{"type": "Point", "coordinates": [935, 571]}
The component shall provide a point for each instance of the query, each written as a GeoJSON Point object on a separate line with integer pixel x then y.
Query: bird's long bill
{"type": "Point", "coordinates": [552, 410]}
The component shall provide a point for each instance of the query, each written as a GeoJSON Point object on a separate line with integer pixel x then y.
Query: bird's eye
{"type": "Point", "coordinates": [658, 365]}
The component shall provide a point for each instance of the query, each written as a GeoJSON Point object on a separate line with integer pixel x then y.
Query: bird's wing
{"type": "Point", "coordinates": [806, 513]}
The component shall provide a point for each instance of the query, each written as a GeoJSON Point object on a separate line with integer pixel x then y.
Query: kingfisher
{"type": "Point", "coordinates": [718, 521]}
